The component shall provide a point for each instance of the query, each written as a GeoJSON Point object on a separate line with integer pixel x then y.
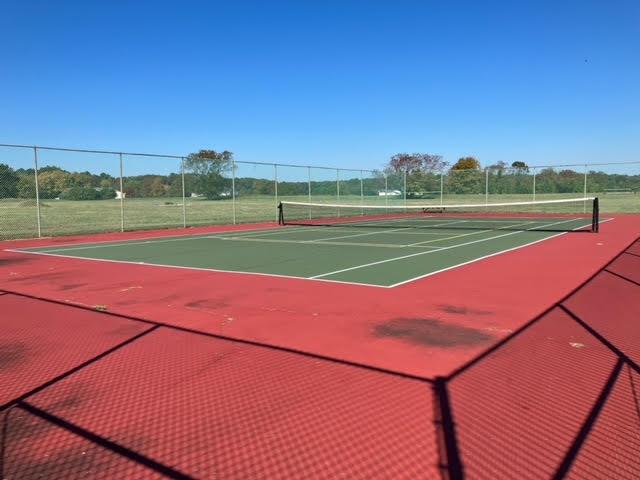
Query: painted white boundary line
{"type": "Point", "coordinates": [180, 267]}
{"type": "Point", "coordinates": [467, 234]}
{"type": "Point", "coordinates": [144, 241]}
{"type": "Point", "coordinates": [488, 256]}
{"type": "Point", "coordinates": [357, 267]}
{"type": "Point", "coordinates": [353, 235]}
{"type": "Point", "coordinates": [321, 242]}
{"type": "Point", "coordinates": [373, 285]}
{"type": "Point", "coordinates": [160, 237]}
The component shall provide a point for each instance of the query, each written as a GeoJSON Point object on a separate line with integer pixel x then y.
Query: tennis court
{"type": "Point", "coordinates": [368, 245]}
{"type": "Point", "coordinates": [306, 366]}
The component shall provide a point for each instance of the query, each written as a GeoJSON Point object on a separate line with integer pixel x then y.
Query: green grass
{"type": "Point", "coordinates": [18, 218]}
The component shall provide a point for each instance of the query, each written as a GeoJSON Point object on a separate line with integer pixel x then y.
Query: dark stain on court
{"type": "Point", "coordinates": [462, 310]}
{"type": "Point", "coordinates": [72, 286]}
{"type": "Point", "coordinates": [208, 304]}
{"type": "Point", "coordinates": [12, 353]}
{"type": "Point", "coordinates": [431, 332]}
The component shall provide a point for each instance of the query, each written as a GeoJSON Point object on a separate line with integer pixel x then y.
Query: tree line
{"type": "Point", "coordinates": [208, 175]}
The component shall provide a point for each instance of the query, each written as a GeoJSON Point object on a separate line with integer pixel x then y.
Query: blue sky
{"type": "Point", "coordinates": [342, 83]}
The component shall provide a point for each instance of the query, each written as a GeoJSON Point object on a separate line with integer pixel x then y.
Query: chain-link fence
{"type": "Point", "coordinates": [48, 191]}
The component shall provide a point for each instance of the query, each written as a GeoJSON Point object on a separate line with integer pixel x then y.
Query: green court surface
{"type": "Point", "coordinates": [365, 253]}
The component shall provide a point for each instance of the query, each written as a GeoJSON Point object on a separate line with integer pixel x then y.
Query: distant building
{"type": "Point", "coordinates": [120, 195]}
{"type": "Point", "coordinates": [389, 193]}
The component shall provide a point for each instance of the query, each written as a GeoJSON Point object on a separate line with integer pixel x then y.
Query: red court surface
{"type": "Point", "coordinates": [508, 367]}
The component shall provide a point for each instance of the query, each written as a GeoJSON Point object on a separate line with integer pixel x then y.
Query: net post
{"type": "Point", "coordinates": [595, 222]}
{"type": "Point", "coordinates": [184, 195]}
{"type": "Point", "coordinates": [280, 214]}
{"type": "Point", "coordinates": [121, 194]}
{"type": "Point", "coordinates": [233, 189]}
{"type": "Point", "coordinates": [35, 171]}
{"type": "Point", "coordinates": [275, 186]}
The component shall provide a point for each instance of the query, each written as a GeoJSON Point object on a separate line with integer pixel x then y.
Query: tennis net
{"type": "Point", "coordinates": [563, 215]}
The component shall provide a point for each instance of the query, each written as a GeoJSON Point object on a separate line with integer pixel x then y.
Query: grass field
{"type": "Point", "coordinates": [18, 218]}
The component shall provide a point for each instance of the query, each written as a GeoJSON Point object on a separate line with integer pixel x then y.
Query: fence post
{"type": "Point", "coordinates": [233, 189]}
{"type": "Point", "coordinates": [338, 189]}
{"type": "Point", "coordinates": [486, 185]}
{"type": "Point", "coordinates": [309, 188]}
{"type": "Point", "coordinates": [585, 189]}
{"type": "Point", "coordinates": [184, 195]}
{"type": "Point", "coordinates": [386, 190]}
{"type": "Point", "coordinates": [38, 219]}
{"type": "Point", "coordinates": [121, 195]}
{"type": "Point", "coordinates": [404, 186]}
{"type": "Point", "coordinates": [441, 186]}
{"type": "Point", "coordinates": [275, 186]}
{"type": "Point", "coordinates": [361, 192]}
{"type": "Point", "coordinates": [534, 184]}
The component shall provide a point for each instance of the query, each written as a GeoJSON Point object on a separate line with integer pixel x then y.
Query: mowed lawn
{"type": "Point", "coordinates": [18, 218]}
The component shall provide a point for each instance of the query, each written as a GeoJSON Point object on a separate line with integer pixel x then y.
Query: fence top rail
{"type": "Point", "coordinates": [179, 157]}
{"type": "Point", "coordinates": [600, 164]}
{"type": "Point", "coordinates": [81, 150]}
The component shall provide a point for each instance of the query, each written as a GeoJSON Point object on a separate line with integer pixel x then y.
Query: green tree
{"type": "Point", "coordinates": [52, 182]}
{"type": "Point", "coordinates": [26, 186]}
{"type": "Point", "coordinates": [208, 168]}
{"type": "Point", "coordinates": [8, 182]}
{"type": "Point", "coordinates": [520, 165]}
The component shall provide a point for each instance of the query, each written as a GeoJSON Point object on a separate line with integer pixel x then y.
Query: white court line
{"type": "Point", "coordinates": [180, 267]}
{"type": "Point", "coordinates": [465, 234]}
{"type": "Point", "coordinates": [354, 235]}
{"type": "Point", "coordinates": [291, 276]}
{"type": "Point", "coordinates": [431, 251]}
{"type": "Point", "coordinates": [150, 240]}
{"type": "Point", "coordinates": [490, 255]}
{"type": "Point", "coordinates": [319, 242]}
{"type": "Point", "coordinates": [186, 236]}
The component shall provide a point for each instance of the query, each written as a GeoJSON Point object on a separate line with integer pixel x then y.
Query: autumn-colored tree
{"type": "Point", "coordinates": [415, 162]}
{"type": "Point", "coordinates": [422, 171]}
{"type": "Point", "coordinates": [466, 163]}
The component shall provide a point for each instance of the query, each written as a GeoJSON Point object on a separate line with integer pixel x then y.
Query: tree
{"type": "Point", "coordinates": [158, 187]}
{"type": "Point", "coordinates": [422, 172]}
{"type": "Point", "coordinates": [207, 168]}
{"type": "Point", "coordinates": [466, 163]}
{"type": "Point", "coordinates": [415, 162]}
{"type": "Point", "coordinates": [520, 165]}
{"type": "Point", "coordinates": [499, 165]}
{"type": "Point", "coordinates": [52, 181]}
{"type": "Point", "coordinates": [8, 182]}
{"type": "Point", "coordinates": [27, 186]}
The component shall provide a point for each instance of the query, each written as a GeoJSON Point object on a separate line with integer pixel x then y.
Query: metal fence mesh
{"type": "Point", "coordinates": [48, 191]}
